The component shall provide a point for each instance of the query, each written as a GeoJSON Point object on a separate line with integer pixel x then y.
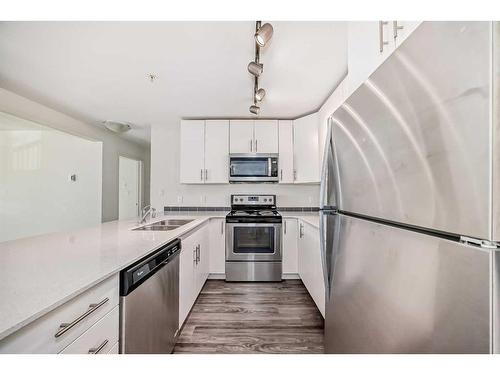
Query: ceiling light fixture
{"type": "Point", "coordinates": [259, 95]}
{"type": "Point", "coordinates": [254, 109]}
{"type": "Point", "coordinates": [262, 35]}
{"type": "Point", "coordinates": [117, 126]}
{"type": "Point", "coordinates": [255, 68]}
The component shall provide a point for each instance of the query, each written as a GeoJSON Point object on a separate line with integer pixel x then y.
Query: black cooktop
{"type": "Point", "coordinates": [253, 216]}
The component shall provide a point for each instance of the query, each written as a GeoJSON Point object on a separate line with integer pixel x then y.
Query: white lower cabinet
{"type": "Point", "coordinates": [217, 264]}
{"type": "Point", "coordinates": [66, 324]}
{"type": "Point", "coordinates": [289, 247]}
{"type": "Point", "coordinates": [310, 264]}
{"type": "Point", "coordinates": [193, 269]}
{"type": "Point", "coordinates": [99, 338]}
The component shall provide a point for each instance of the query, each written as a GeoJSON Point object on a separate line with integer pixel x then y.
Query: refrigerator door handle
{"type": "Point", "coordinates": [324, 168]}
{"type": "Point", "coordinates": [322, 249]}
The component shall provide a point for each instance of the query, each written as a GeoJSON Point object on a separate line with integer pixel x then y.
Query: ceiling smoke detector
{"type": "Point", "coordinates": [117, 126]}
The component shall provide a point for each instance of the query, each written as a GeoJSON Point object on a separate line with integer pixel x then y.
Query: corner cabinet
{"type": "Point", "coordinates": [204, 151]}
{"type": "Point", "coordinates": [310, 264]}
{"type": "Point", "coordinates": [306, 149]}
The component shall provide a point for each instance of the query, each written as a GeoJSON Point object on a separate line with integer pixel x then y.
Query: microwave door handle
{"type": "Point", "coordinates": [269, 167]}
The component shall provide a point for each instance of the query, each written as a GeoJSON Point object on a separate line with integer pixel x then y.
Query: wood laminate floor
{"type": "Point", "coordinates": [252, 318]}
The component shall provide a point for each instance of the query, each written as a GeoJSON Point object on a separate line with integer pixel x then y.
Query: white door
{"type": "Point", "coordinates": [216, 151]}
{"type": "Point", "coordinates": [129, 190]}
{"type": "Point", "coordinates": [364, 53]}
{"type": "Point", "coordinates": [306, 149]}
{"type": "Point", "coordinates": [217, 246]}
{"type": "Point", "coordinates": [241, 138]}
{"type": "Point", "coordinates": [290, 255]}
{"type": "Point", "coordinates": [192, 164]}
{"type": "Point", "coordinates": [285, 152]}
{"type": "Point", "coordinates": [266, 136]}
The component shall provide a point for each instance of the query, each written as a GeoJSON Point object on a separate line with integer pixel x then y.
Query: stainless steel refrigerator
{"type": "Point", "coordinates": [410, 200]}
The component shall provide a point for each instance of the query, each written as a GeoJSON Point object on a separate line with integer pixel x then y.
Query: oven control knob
{"type": "Point", "coordinates": [265, 199]}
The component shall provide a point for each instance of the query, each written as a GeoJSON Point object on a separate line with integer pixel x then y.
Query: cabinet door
{"type": "Point", "coordinates": [364, 50]}
{"type": "Point", "coordinates": [201, 266]}
{"type": "Point", "coordinates": [306, 149]}
{"type": "Point", "coordinates": [187, 276]}
{"type": "Point", "coordinates": [290, 259]}
{"type": "Point", "coordinates": [241, 136]}
{"type": "Point", "coordinates": [285, 151]}
{"type": "Point", "coordinates": [192, 151]}
{"type": "Point", "coordinates": [217, 246]}
{"type": "Point", "coordinates": [266, 136]}
{"type": "Point", "coordinates": [216, 151]}
{"type": "Point", "coordinates": [403, 29]}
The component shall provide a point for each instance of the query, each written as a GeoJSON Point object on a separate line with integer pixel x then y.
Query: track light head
{"type": "Point", "coordinates": [254, 109]}
{"type": "Point", "coordinates": [264, 34]}
{"type": "Point", "coordinates": [255, 68]}
{"type": "Point", "coordinates": [259, 94]}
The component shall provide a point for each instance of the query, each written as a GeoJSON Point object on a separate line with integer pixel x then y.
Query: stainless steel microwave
{"type": "Point", "coordinates": [253, 168]}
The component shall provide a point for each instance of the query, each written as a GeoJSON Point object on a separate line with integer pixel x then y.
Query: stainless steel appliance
{"type": "Point", "coordinates": [253, 168]}
{"type": "Point", "coordinates": [253, 239]}
{"type": "Point", "coordinates": [410, 200]}
{"type": "Point", "coordinates": [149, 302]}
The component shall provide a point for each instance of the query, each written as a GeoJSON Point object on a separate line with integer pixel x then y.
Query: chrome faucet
{"type": "Point", "coordinates": [147, 210]}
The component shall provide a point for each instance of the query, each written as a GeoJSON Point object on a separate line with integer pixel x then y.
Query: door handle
{"type": "Point", "coordinates": [382, 42]}
{"type": "Point", "coordinates": [198, 254]}
{"type": "Point", "coordinates": [206, 174]}
{"type": "Point", "coordinates": [251, 146]}
{"type": "Point", "coordinates": [222, 227]}
{"type": "Point", "coordinates": [294, 174]}
{"type": "Point", "coordinates": [396, 28]}
{"type": "Point", "coordinates": [284, 226]}
{"type": "Point", "coordinates": [201, 174]}
{"type": "Point", "coordinates": [301, 230]}
{"type": "Point", "coordinates": [255, 145]}
{"type": "Point", "coordinates": [65, 327]}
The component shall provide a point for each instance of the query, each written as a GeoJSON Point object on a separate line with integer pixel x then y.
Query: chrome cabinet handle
{"type": "Point", "coordinates": [382, 42]}
{"type": "Point", "coordinates": [99, 348]}
{"type": "Point", "coordinates": [206, 174]}
{"type": "Point", "coordinates": [222, 227]}
{"type": "Point", "coordinates": [301, 230]}
{"type": "Point", "coordinates": [284, 226]}
{"type": "Point", "coordinates": [195, 256]}
{"type": "Point", "coordinates": [281, 175]}
{"type": "Point", "coordinates": [251, 146]}
{"type": "Point", "coordinates": [395, 28]}
{"type": "Point", "coordinates": [198, 253]}
{"type": "Point", "coordinates": [201, 174]}
{"type": "Point", "coordinates": [65, 327]}
{"type": "Point", "coordinates": [294, 174]}
{"type": "Point", "coordinates": [255, 145]}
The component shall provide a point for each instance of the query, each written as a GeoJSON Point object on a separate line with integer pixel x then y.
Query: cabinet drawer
{"type": "Point", "coordinates": [80, 313]}
{"type": "Point", "coordinates": [99, 338]}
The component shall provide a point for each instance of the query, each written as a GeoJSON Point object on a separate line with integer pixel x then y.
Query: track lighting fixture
{"type": "Point", "coordinates": [254, 109]}
{"type": "Point", "coordinates": [264, 34]}
{"type": "Point", "coordinates": [255, 68]}
{"type": "Point", "coordinates": [259, 95]}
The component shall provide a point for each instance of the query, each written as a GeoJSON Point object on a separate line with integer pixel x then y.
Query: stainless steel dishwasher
{"type": "Point", "coordinates": [149, 302]}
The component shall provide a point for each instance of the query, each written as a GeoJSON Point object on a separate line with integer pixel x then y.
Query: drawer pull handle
{"type": "Point", "coordinates": [65, 327]}
{"type": "Point", "coordinates": [99, 348]}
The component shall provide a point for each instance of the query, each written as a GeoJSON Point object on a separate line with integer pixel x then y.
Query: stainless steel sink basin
{"type": "Point", "coordinates": [165, 225]}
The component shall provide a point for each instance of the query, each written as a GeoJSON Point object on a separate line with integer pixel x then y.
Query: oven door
{"type": "Point", "coordinates": [253, 168]}
{"type": "Point", "coordinates": [253, 242]}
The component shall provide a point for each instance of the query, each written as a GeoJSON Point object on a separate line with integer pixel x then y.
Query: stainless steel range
{"type": "Point", "coordinates": [253, 239]}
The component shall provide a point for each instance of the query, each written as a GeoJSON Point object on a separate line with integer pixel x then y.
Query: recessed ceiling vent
{"type": "Point", "coordinates": [117, 126]}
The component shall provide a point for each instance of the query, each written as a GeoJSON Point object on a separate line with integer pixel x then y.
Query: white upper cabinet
{"type": "Point", "coordinates": [192, 168]}
{"type": "Point", "coordinates": [204, 151]}
{"type": "Point", "coordinates": [266, 136]}
{"type": "Point", "coordinates": [216, 151]}
{"type": "Point", "coordinates": [241, 136]}
{"type": "Point", "coordinates": [306, 149]}
{"type": "Point", "coordinates": [370, 43]}
{"type": "Point", "coordinates": [285, 152]}
{"type": "Point", "coordinates": [402, 29]}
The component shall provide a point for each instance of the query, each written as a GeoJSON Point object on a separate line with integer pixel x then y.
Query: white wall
{"type": "Point", "coordinates": [113, 145]}
{"type": "Point", "coordinates": [166, 188]}
{"type": "Point", "coordinates": [36, 193]}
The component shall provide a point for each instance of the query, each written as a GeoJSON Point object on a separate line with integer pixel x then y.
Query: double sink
{"type": "Point", "coordinates": [165, 225]}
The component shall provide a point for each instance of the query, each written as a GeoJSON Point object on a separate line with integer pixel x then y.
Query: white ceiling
{"type": "Point", "coordinates": [95, 71]}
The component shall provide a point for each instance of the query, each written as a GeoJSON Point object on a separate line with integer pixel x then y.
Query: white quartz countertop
{"type": "Point", "coordinates": [41, 273]}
